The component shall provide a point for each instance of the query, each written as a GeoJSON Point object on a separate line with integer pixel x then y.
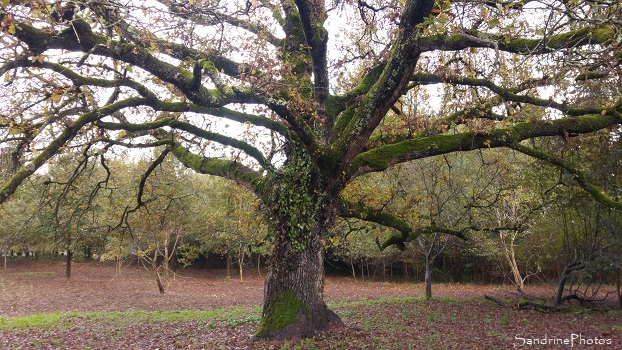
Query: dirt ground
{"type": "Point", "coordinates": [28, 288]}
{"type": "Point", "coordinates": [42, 287]}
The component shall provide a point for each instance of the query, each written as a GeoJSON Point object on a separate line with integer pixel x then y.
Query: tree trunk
{"type": "Point", "coordinates": [518, 279]}
{"type": "Point", "coordinates": [574, 266]}
{"type": "Point", "coordinates": [301, 211]}
{"type": "Point", "coordinates": [428, 278]}
{"type": "Point", "coordinates": [68, 257]}
{"type": "Point", "coordinates": [68, 263]}
{"type": "Point", "coordinates": [241, 255]}
{"type": "Point", "coordinates": [510, 257]}
{"type": "Point", "coordinates": [618, 285]}
{"type": "Point", "coordinates": [154, 265]}
{"type": "Point", "coordinates": [166, 258]}
{"type": "Point", "coordinates": [259, 265]}
{"type": "Point", "coordinates": [228, 266]}
{"type": "Point", "coordinates": [293, 294]}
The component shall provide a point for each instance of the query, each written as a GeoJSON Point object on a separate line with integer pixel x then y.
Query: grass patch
{"type": "Point", "coordinates": [229, 316]}
{"type": "Point", "coordinates": [31, 321]}
{"type": "Point", "coordinates": [374, 302]}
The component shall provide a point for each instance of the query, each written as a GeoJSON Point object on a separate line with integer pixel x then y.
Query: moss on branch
{"type": "Point", "coordinates": [580, 37]}
{"type": "Point", "coordinates": [380, 158]}
{"type": "Point", "coordinates": [406, 232]}
{"type": "Point", "coordinates": [219, 167]}
{"type": "Point", "coordinates": [578, 176]}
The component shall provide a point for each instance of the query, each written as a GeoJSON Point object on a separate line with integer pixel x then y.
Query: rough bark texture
{"type": "Point", "coordinates": [293, 296]}
{"type": "Point", "coordinates": [301, 211]}
{"type": "Point", "coordinates": [68, 259]}
{"type": "Point", "coordinates": [428, 277]}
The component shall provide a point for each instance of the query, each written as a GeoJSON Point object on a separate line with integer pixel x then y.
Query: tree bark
{"type": "Point", "coordinates": [241, 255]}
{"type": "Point", "coordinates": [293, 294]}
{"type": "Point", "coordinates": [154, 265]}
{"type": "Point", "coordinates": [570, 268]}
{"type": "Point", "coordinates": [68, 263]}
{"type": "Point", "coordinates": [228, 266]}
{"type": "Point", "coordinates": [618, 285]}
{"type": "Point", "coordinates": [428, 277]}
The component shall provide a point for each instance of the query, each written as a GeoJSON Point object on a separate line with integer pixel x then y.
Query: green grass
{"type": "Point", "coordinates": [372, 302]}
{"type": "Point", "coordinates": [31, 321]}
{"type": "Point", "coordinates": [230, 316]}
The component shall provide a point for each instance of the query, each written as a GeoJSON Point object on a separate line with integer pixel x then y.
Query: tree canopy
{"type": "Point", "coordinates": [295, 99]}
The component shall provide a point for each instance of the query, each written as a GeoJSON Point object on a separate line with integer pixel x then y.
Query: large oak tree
{"type": "Point", "coordinates": [322, 91]}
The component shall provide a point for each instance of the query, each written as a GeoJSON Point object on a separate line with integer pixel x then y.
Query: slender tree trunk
{"type": "Point", "coordinates": [618, 285]}
{"type": "Point", "coordinates": [574, 266]}
{"type": "Point", "coordinates": [518, 278]}
{"type": "Point", "coordinates": [428, 277]}
{"type": "Point", "coordinates": [165, 261]}
{"type": "Point", "coordinates": [117, 270]}
{"type": "Point", "coordinates": [384, 269]}
{"type": "Point", "coordinates": [259, 265]}
{"type": "Point", "coordinates": [68, 259]}
{"type": "Point", "coordinates": [154, 265]}
{"type": "Point", "coordinates": [510, 257]}
{"type": "Point", "coordinates": [353, 270]}
{"type": "Point", "coordinates": [228, 266]}
{"type": "Point", "coordinates": [241, 262]}
{"type": "Point", "coordinates": [362, 270]}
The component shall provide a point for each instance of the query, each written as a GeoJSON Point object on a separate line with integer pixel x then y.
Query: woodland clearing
{"type": "Point", "coordinates": [202, 309]}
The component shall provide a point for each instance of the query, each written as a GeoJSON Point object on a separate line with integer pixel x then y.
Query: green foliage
{"type": "Point", "coordinates": [297, 198]}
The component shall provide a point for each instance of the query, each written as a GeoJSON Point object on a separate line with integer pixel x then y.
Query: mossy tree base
{"type": "Point", "coordinates": [288, 318]}
{"type": "Point", "coordinates": [293, 295]}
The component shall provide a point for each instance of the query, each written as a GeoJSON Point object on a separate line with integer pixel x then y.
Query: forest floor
{"type": "Point", "coordinates": [202, 309]}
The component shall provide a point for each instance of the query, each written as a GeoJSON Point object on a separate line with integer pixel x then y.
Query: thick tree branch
{"type": "Point", "coordinates": [81, 38]}
{"type": "Point", "coordinates": [388, 88]}
{"type": "Point", "coordinates": [578, 176]}
{"type": "Point", "coordinates": [194, 130]}
{"type": "Point", "coordinates": [312, 16]}
{"type": "Point", "coordinates": [55, 145]}
{"type": "Point", "coordinates": [589, 35]}
{"type": "Point", "coordinates": [381, 157]}
{"type": "Point", "coordinates": [406, 232]}
{"type": "Point", "coordinates": [220, 167]}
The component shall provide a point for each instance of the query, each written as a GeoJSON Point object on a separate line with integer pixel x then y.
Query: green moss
{"type": "Point", "coordinates": [220, 167]}
{"type": "Point", "coordinates": [334, 105]}
{"type": "Point", "coordinates": [284, 311]}
{"type": "Point", "coordinates": [562, 40]}
{"type": "Point", "coordinates": [207, 65]}
{"type": "Point", "coordinates": [83, 34]}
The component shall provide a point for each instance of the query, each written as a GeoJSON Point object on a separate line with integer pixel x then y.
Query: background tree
{"type": "Point", "coordinates": [161, 74]}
